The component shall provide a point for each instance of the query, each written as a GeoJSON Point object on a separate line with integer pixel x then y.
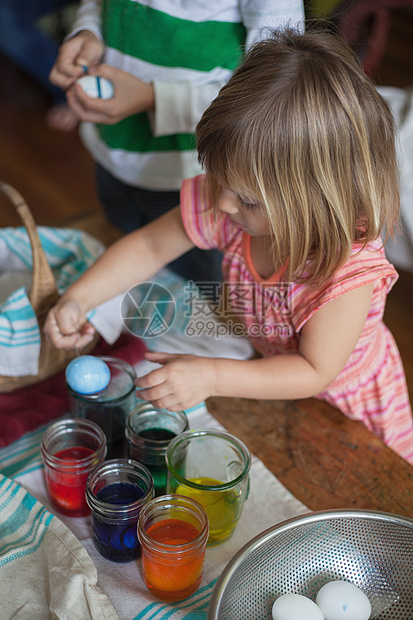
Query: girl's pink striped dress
{"type": "Point", "coordinates": [372, 386]}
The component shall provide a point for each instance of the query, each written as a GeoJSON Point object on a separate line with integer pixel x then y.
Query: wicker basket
{"type": "Point", "coordinates": [43, 296]}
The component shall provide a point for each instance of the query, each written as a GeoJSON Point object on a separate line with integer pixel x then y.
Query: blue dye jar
{"type": "Point", "coordinates": [109, 408]}
{"type": "Point", "coordinates": [116, 492]}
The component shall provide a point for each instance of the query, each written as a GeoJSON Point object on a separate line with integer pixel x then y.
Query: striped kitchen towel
{"type": "Point", "coordinates": [44, 570]}
{"type": "Point", "coordinates": [69, 252]}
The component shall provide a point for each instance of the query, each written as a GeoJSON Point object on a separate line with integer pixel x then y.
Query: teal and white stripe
{"type": "Point", "coordinates": [19, 336]}
{"type": "Point", "coordinates": [23, 521]}
{"type": "Point", "coordinates": [193, 608]}
{"type": "Point", "coordinates": [18, 322]}
{"type": "Point", "coordinates": [69, 253]}
{"type": "Point", "coordinates": [22, 456]}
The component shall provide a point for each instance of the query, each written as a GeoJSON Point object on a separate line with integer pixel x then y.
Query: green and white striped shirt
{"type": "Point", "coordinates": [188, 50]}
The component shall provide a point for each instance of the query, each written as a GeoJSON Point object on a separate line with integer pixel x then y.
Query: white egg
{"type": "Point", "coordinates": [341, 600]}
{"type": "Point", "coordinates": [96, 87]}
{"type": "Point", "coordinates": [295, 607]}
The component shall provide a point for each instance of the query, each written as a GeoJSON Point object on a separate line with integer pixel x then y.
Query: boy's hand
{"type": "Point", "coordinates": [66, 326]}
{"type": "Point", "coordinates": [131, 96]}
{"type": "Point", "coordinates": [82, 51]}
{"type": "Point", "coordinates": [182, 382]}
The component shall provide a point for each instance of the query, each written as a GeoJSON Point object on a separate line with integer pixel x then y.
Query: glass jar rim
{"type": "Point", "coordinates": [151, 443]}
{"type": "Point", "coordinates": [71, 425]}
{"type": "Point", "coordinates": [119, 511]}
{"type": "Point", "coordinates": [190, 506]}
{"type": "Point", "coordinates": [187, 436]}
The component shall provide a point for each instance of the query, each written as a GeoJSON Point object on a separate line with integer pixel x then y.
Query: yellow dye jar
{"type": "Point", "coordinates": [212, 467]}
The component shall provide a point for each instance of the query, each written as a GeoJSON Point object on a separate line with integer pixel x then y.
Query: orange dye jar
{"type": "Point", "coordinates": [173, 532]}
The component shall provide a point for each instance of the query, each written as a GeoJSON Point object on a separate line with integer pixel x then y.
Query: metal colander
{"type": "Point", "coordinates": [372, 550]}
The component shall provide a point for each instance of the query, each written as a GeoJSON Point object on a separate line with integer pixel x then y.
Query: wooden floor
{"type": "Point", "coordinates": [55, 174]}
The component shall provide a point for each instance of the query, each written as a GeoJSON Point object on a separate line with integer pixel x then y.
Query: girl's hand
{"type": "Point", "coordinates": [131, 97]}
{"type": "Point", "coordinates": [66, 326]}
{"type": "Point", "coordinates": [183, 381]}
{"type": "Point", "coordinates": [83, 50]}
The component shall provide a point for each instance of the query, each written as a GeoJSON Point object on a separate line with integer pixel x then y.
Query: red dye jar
{"type": "Point", "coordinates": [71, 449]}
{"type": "Point", "coordinates": [173, 532]}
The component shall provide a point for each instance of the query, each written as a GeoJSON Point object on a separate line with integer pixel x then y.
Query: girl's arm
{"type": "Point", "coordinates": [131, 260]}
{"type": "Point", "coordinates": [327, 341]}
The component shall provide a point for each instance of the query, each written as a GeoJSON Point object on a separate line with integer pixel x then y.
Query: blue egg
{"type": "Point", "coordinates": [87, 374]}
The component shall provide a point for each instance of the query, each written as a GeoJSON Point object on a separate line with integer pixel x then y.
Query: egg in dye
{"type": "Point", "coordinates": [341, 600]}
{"type": "Point", "coordinates": [295, 607]}
{"type": "Point", "coordinates": [87, 375]}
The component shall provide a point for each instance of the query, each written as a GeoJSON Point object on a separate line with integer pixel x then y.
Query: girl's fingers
{"type": "Point", "coordinates": [152, 379]}
{"type": "Point", "coordinates": [150, 386]}
{"type": "Point", "coordinates": [64, 333]}
{"type": "Point", "coordinates": [170, 406]}
{"type": "Point", "coordinates": [84, 340]}
{"type": "Point", "coordinates": [166, 401]}
{"type": "Point", "coordinates": [153, 392]}
{"type": "Point", "coordinates": [66, 342]}
{"type": "Point", "coordinates": [159, 357]}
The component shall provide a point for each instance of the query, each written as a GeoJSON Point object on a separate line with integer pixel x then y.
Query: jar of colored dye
{"type": "Point", "coordinates": [212, 467]}
{"type": "Point", "coordinates": [116, 492]}
{"type": "Point", "coordinates": [109, 408]}
{"type": "Point", "coordinates": [173, 532]}
{"type": "Point", "coordinates": [71, 449]}
{"type": "Point", "coordinates": [148, 433]}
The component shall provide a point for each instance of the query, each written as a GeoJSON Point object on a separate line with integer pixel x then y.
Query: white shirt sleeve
{"type": "Point", "coordinates": [260, 17]}
{"type": "Point", "coordinates": [88, 17]}
{"type": "Point", "coordinates": [179, 106]}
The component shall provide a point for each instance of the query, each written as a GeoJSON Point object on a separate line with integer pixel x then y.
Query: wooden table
{"type": "Point", "coordinates": [322, 457]}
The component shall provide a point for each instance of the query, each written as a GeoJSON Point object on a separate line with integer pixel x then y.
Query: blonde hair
{"type": "Point", "coordinates": [302, 127]}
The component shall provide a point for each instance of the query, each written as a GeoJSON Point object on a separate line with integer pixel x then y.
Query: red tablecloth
{"type": "Point", "coordinates": [25, 409]}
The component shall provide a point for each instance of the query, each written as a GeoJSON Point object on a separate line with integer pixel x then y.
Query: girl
{"type": "Point", "coordinates": [300, 179]}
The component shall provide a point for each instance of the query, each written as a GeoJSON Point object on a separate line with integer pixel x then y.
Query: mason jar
{"type": "Point", "coordinates": [148, 433]}
{"type": "Point", "coordinates": [173, 532]}
{"type": "Point", "coordinates": [116, 492]}
{"type": "Point", "coordinates": [71, 449]}
{"type": "Point", "coordinates": [212, 467]}
{"type": "Point", "coordinates": [109, 408]}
